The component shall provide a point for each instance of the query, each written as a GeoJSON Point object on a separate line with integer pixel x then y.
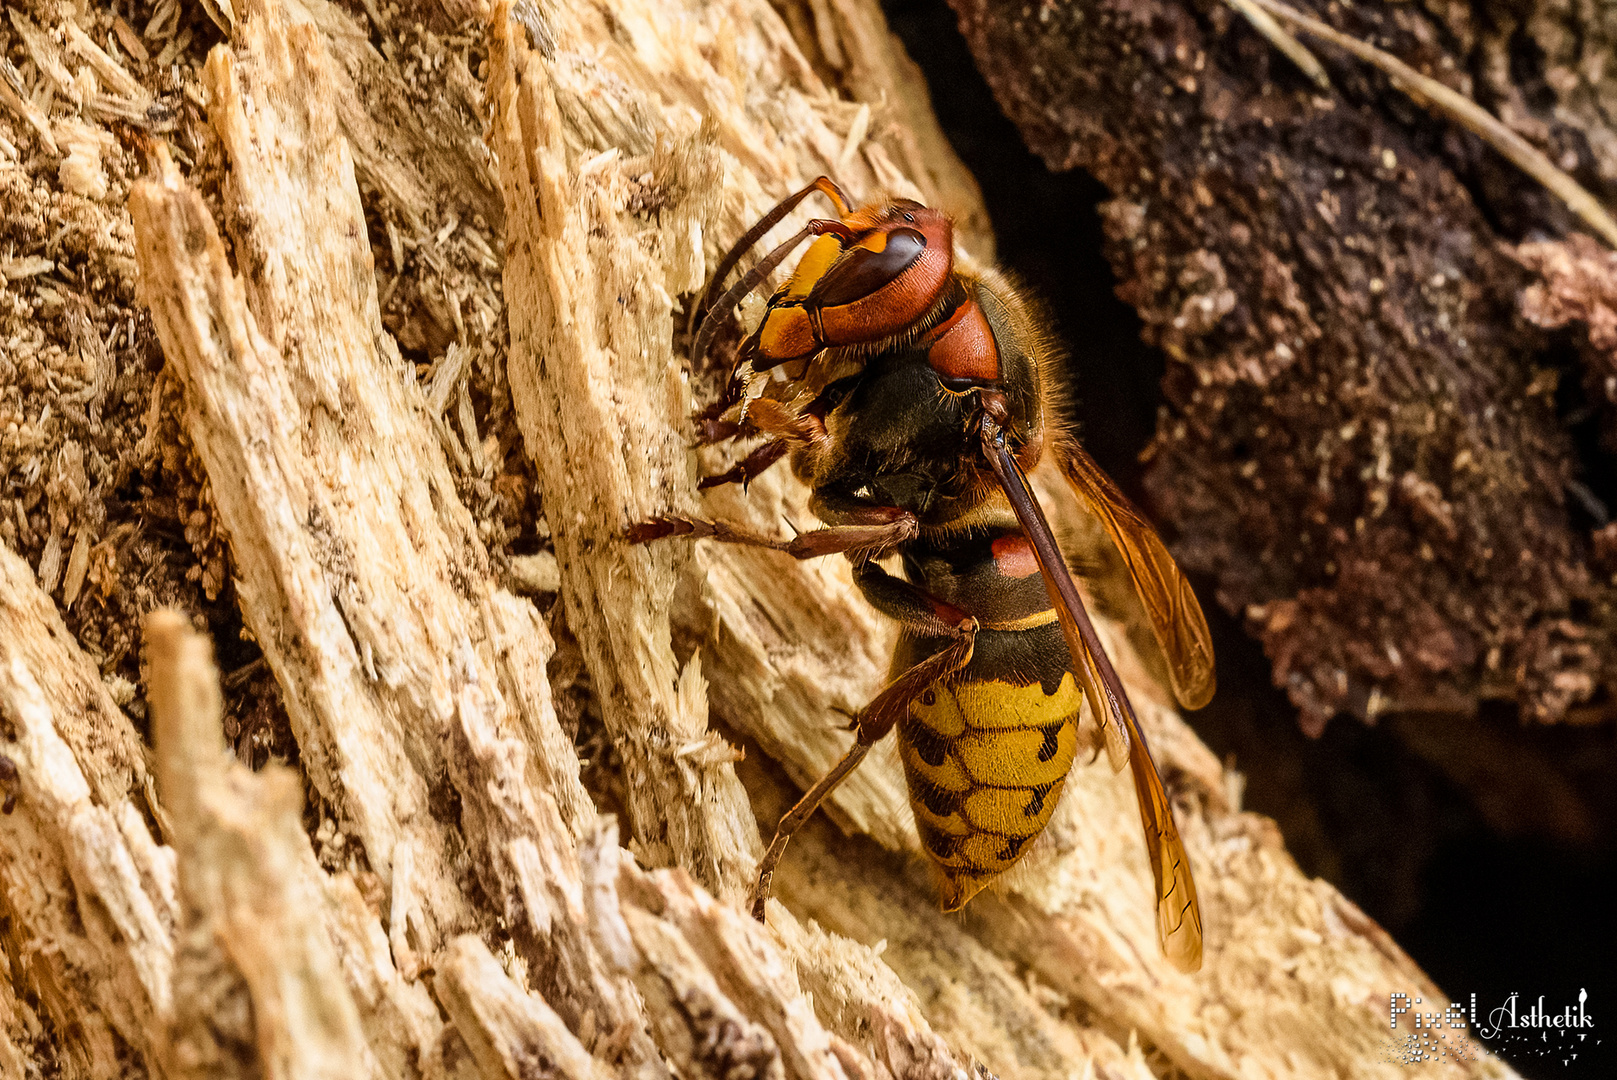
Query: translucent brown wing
{"type": "Point", "coordinates": [1179, 921]}
{"type": "Point", "coordinates": [1104, 704]}
{"type": "Point", "coordinates": [1170, 604]}
{"type": "Point", "coordinates": [1179, 916]}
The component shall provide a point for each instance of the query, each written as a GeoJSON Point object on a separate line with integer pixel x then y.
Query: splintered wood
{"type": "Point", "coordinates": [251, 928]}
{"type": "Point", "coordinates": [485, 920]}
{"type": "Point", "coordinates": [79, 868]}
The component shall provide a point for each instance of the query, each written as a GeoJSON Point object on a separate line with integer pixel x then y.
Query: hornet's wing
{"type": "Point", "coordinates": [1169, 603]}
{"type": "Point", "coordinates": [1179, 921]}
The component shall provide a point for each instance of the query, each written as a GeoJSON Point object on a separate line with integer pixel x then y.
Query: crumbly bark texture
{"type": "Point", "coordinates": [1367, 447]}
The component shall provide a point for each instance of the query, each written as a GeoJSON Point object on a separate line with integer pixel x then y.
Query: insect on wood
{"type": "Point", "coordinates": [914, 394]}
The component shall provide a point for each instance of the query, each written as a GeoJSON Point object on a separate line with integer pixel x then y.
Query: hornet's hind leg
{"type": "Point", "coordinates": [871, 725]}
{"type": "Point", "coordinates": [888, 528]}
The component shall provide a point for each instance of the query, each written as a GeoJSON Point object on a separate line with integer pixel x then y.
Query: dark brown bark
{"type": "Point", "coordinates": [1366, 444]}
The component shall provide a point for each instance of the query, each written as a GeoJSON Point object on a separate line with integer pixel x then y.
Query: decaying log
{"type": "Point", "coordinates": [405, 669]}
{"type": "Point", "coordinates": [454, 905]}
{"type": "Point", "coordinates": [509, 1033]}
{"type": "Point", "coordinates": [278, 985]}
{"type": "Point", "coordinates": [89, 901]}
{"type": "Point", "coordinates": [255, 971]}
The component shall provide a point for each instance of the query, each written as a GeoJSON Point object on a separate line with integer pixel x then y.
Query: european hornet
{"type": "Point", "coordinates": [918, 393]}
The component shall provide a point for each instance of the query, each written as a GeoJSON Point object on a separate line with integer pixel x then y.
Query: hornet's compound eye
{"type": "Point", "coordinates": [864, 269]}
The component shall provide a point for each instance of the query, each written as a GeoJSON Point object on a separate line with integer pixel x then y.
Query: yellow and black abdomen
{"type": "Point", "coordinates": [986, 751]}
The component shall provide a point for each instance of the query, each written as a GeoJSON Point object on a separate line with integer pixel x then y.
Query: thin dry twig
{"type": "Point", "coordinates": [1429, 92]}
{"type": "Point", "coordinates": [1294, 50]}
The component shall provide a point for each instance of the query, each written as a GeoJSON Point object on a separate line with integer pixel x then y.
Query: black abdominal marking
{"type": "Point", "coordinates": [936, 799]}
{"type": "Point", "coordinates": [1035, 805]}
{"type": "Point", "coordinates": [1013, 845]}
{"type": "Point", "coordinates": [1048, 750]}
{"type": "Point", "coordinates": [939, 843]}
{"type": "Point", "coordinates": [930, 747]}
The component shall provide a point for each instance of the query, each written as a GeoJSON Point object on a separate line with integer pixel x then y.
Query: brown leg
{"type": "Point", "coordinates": [874, 722]}
{"type": "Point", "coordinates": [794, 819]}
{"type": "Point", "coordinates": [888, 528]}
{"type": "Point", "coordinates": [750, 467]}
{"type": "Point", "coordinates": [786, 430]}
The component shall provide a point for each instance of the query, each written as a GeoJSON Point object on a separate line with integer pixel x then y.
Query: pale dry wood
{"type": "Point", "coordinates": [247, 939]}
{"type": "Point", "coordinates": [259, 951]}
{"type": "Point", "coordinates": [420, 157]}
{"type": "Point", "coordinates": [726, 995]}
{"type": "Point", "coordinates": [17, 1025]}
{"type": "Point", "coordinates": [511, 1034]}
{"type": "Point", "coordinates": [699, 1029]}
{"type": "Point", "coordinates": [185, 258]}
{"type": "Point", "coordinates": [88, 895]}
{"type": "Point", "coordinates": [733, 960]}
{"type": "Point", "coordinates": [527, 847]}
{"type": "Point", "coordinates": [535, 863]}
{"type": "Point", "coordinates": [24, 109]}
{"type": "Point", "coordinates": [595, 459]}
{"type": "Point", "coordinates": [361, 573]}
{"type": "Point", "coordinates": [426, 691]}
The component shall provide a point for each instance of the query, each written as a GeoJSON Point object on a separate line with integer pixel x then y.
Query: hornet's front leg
{"type": "Point", "coordinates": [750, 467]}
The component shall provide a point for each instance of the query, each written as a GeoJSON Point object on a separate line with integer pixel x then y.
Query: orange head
{"type": "Point", "coordinates": [869, 279]}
